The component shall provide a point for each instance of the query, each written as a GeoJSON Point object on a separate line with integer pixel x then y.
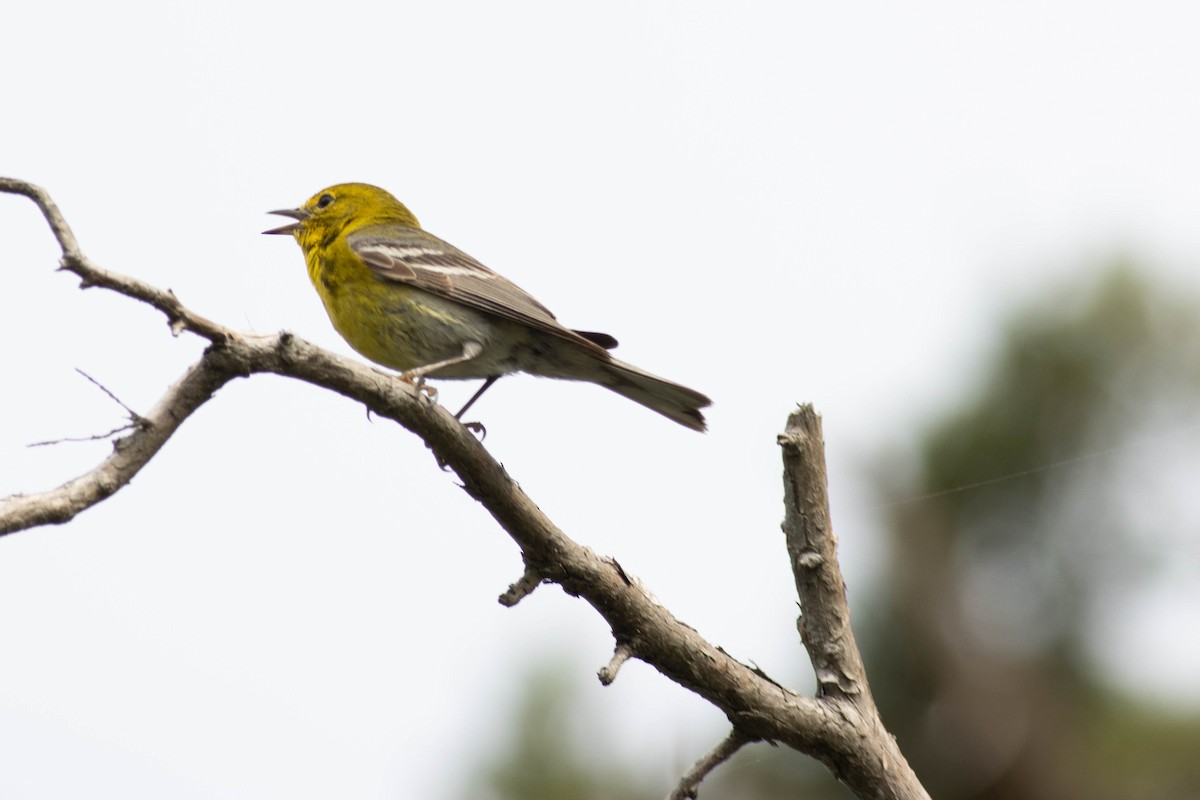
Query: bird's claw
{"type": "Point", "coordinates": [418, 383]}
{"type": "Point", "coordinates": [476, 428]}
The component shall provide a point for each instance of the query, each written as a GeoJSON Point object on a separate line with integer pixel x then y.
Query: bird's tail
{"type": "Point", "coordinates": [673, 401]}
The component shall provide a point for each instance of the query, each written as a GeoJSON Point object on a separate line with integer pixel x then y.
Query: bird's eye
{"type": "Point", "coordinates": [324, 200]}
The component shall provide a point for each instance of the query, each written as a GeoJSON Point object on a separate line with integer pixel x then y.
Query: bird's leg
{"type": "Point", "coordinates": [417, 376]}
{"type": "Point", "coordinates": [487, 383]}
{"type": "Point", "coordinates": [476, 427]}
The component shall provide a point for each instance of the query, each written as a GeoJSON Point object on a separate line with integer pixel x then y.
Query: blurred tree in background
{"type": "Point", "coordinates": [1046, 502]}
{"type": "Point", "coordinates": [983, 662]}
{"type": "Point", "coordinates": [548, 753]}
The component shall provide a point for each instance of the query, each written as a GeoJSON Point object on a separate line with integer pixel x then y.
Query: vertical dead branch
{"type": "Point", "coordinates": [873, 766]}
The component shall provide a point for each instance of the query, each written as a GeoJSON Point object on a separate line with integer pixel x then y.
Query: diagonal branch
{"type": "Point", "coordinates": [73, 260]}
{"type": "Point", "coordinates": [130, 454]}
{"type": "Point", "coordinates": [689, 784]}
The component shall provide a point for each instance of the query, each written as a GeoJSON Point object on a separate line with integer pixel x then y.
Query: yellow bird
{"type": "Point", "coordinates": [409, 301]}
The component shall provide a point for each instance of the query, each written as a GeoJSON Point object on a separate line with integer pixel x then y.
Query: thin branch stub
{"type": "Point", "coordinates": [689, 785]}
{"type": "Point", "coordinates": [522, 588]}
{"type": "Point", "coordinates": [608, 673]}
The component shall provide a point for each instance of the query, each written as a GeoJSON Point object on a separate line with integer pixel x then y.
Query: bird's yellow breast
{"type": "Point", "coordinates": [390, 323]}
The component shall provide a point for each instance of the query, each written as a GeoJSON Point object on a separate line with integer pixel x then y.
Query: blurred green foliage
{"type": "Point", "coordinates": [549, 753]}
{"type": "Point", "coordinates": [980, 658]}
{"type": "Point", "coordinates": [977, 639]}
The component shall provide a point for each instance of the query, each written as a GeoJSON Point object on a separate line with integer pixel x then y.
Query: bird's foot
{"type": "Point", "coordinates": [418, 383]}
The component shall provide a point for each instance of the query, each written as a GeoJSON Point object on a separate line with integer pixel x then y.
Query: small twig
{"type": "Point", "coordinates": [522, 588]}
{"type": "Point", "coordinates": [133, 415]}
{"type": "Point", "coordinates": [136, 420]}
{"type": "Point", "coordinates": [54, 218]}
{"type": "Point", "coordinates": [621, 654]}
{"type": "Point", "coordinates": [96, 437]}
{"type": "Point", "coordinates": [59, 505]}
{"type": "Point", "coordinates": [689, 784]}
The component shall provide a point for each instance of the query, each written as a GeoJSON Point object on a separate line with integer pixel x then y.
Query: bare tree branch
{"type": "Point", "coordinates": [608, 673]}
{"type": "Point", "coordinates": [130, 454]}
{"type": "Point", "coordinates": [875, 767]}
{"type": "Point", "coordinates": [135, 419]}
{"type": "Point", "coordinates": [524, 586]}
{"type": "Point", "coordinates": [689, 784]}
{"type": "Point", "coordinates": [840, 727]}
{"type": "Point", "coordinates": [133, 415]}
{"type": "Point", "coordinates": [825, 621]}
{"type": "Point", "coordinates": [73, 260]}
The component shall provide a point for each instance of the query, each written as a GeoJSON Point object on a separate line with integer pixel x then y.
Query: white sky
{"type": "Point", "coordinates": [771, 202]}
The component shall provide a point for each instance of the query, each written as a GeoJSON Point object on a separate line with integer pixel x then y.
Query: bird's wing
{"type": "Point", "coordinates": [421, 260]}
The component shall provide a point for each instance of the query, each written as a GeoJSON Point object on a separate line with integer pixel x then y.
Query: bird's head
{"type": "Point", "coordinates": [341, 209]}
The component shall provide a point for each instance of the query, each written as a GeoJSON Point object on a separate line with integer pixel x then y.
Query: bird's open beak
{"type": "Point", "coordinates": [298, 214]}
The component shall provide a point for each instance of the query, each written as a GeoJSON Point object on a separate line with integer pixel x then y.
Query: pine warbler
{"type": "Point", "coordinates": [409, 301]}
